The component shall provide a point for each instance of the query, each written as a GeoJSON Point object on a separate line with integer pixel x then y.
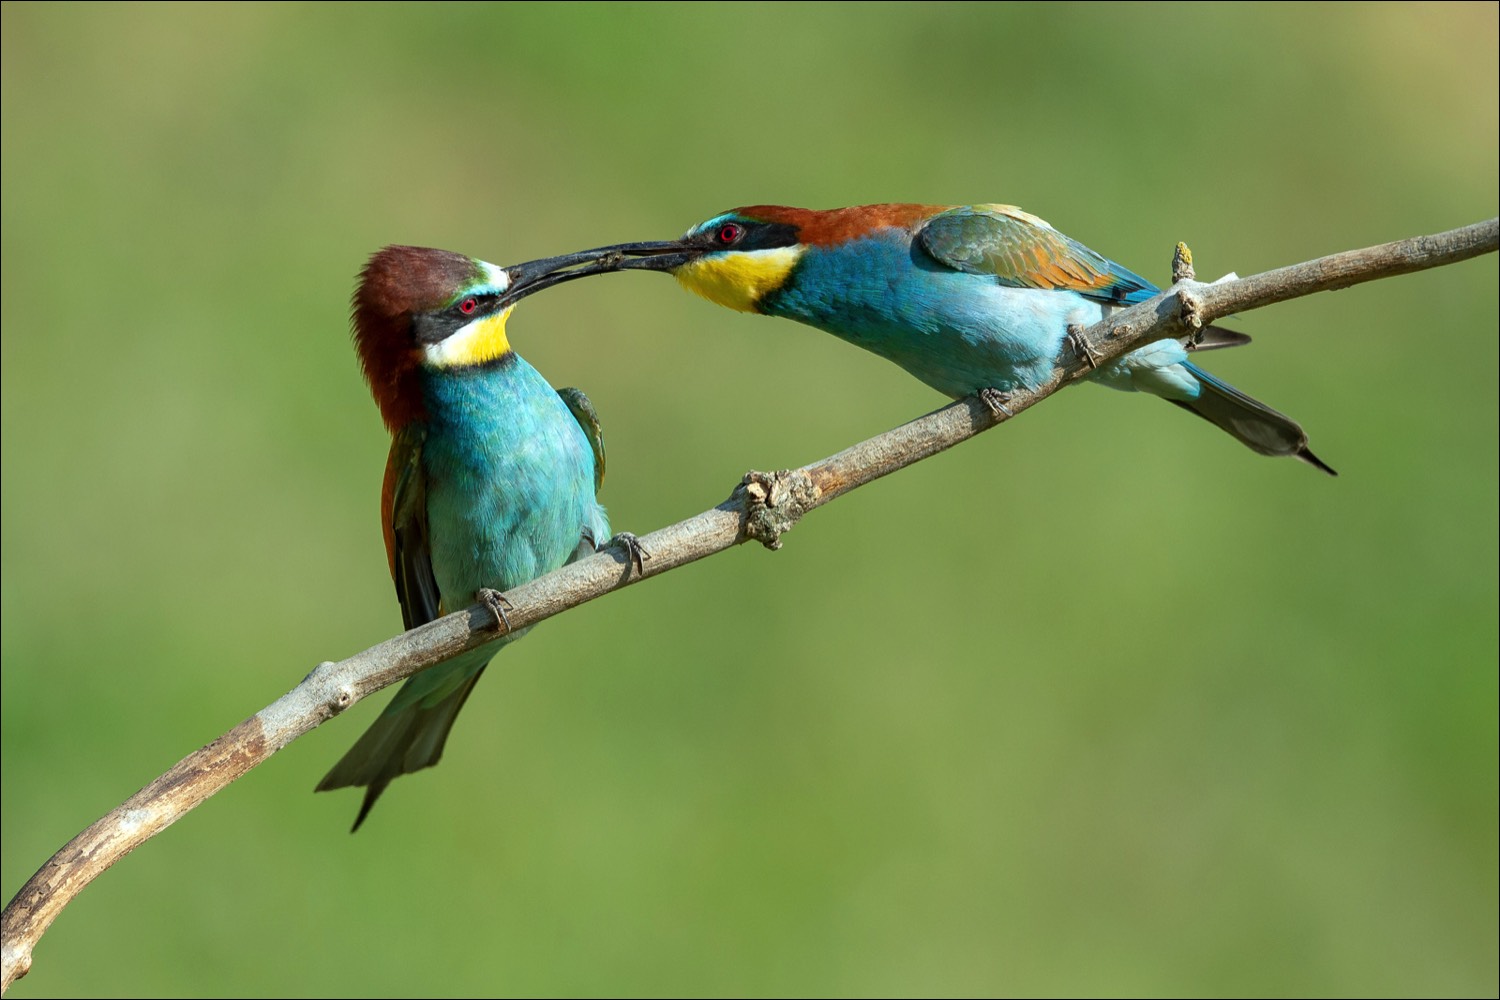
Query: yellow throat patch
{"type": "Point", "coordinates": [481, 341]}
{"type": "Point", "coordinates": [738, 279]}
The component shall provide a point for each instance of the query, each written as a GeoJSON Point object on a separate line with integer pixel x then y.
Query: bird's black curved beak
{"type": "Point", "coordinates": [535, 275]}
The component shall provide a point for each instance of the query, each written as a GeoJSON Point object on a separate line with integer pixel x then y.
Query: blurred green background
{"type": "Point", "coordinates": [1098, 703]}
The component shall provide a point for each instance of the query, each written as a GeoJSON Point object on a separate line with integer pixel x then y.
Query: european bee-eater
{"type": "Point", "coordinates": [491, 477]}
{"type": "Point", "coordinates": [969, 299]}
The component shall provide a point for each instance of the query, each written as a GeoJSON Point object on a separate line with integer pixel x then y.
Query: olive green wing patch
{"type": "Point", "coordinates": [1022, 251]}
{"type": "Point", "coordinates": [588, 418]}
{"type": "Point", "coordinates": [406, 529]}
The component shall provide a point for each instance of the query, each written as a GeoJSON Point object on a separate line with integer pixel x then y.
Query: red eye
{"type": "Point", "coordinates": [729, 232]}
{"type": "Point", "coordinates": [468, 305]}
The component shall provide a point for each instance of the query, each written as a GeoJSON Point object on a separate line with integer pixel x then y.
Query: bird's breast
{"type": "Point", "coordinates": [510, 480]}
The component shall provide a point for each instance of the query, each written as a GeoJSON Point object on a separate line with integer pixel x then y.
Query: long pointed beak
{"type": "Point", "coordinates": [535, 275]}
{"type": "Point", "coordinates": [524, 277]}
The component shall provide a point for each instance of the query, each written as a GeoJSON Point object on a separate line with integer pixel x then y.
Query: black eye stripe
{"type": "Point", "coordinates": [751, 235]}
{"type": "Point", "coordinates": [435, 327]}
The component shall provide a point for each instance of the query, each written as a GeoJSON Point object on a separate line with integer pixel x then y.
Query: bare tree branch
{"type": "Point", "coordinates": [762, 507]}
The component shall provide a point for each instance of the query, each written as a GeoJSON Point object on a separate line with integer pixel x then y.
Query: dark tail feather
{"type": "Point", "coordinates": [396, 744]}
{"type": "Point", "coordinates": [1252, 422]}
{"type": "Point", "coordinates": [1211, 338]}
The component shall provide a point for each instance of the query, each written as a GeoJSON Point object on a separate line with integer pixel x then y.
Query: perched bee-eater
{"type": "Point", "coordinates": [491, 478]}
{"type": "Point", "coordinates": [969, 299]}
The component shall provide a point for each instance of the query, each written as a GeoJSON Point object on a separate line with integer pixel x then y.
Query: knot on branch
{"type": "Point", "coordinates": [1188, 305]}
{"type": "Point", "coordinates": [340, 697]}
{"type": "Point", "coordinates": [774, 502]}
{"type": "Point", "coordinates": [17, 961]}
{"type": "Point", "coordinates": [1191, 311]}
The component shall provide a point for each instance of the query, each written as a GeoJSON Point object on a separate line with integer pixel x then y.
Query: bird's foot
{"type": "Point", "coordinates": [634, 554]}
{"type": "Point", "coordinates": [1081, 348]}
{"type": "Point", "coordinates": [995, 400]}
{"type": "Point", "coordinates": [497, 603]}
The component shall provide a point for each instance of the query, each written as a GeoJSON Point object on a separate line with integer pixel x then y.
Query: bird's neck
{"type": "Point", "coordinates": [846, 288]}
{"type": "Point", "coordinates": [477, 393]}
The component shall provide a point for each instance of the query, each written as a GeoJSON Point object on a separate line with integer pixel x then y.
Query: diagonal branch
{"type": "Point", "coordinates": [762, 507]}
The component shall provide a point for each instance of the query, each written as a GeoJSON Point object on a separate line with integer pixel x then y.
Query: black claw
{"type": "Point", "coordinates": [1081, 347]}
{"type": "Point", "coordinates": [634, 554]}
{"type": "Point", "coordinates": [497, 603]}
{"type": "Point", "coordinates": [995, 400]}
